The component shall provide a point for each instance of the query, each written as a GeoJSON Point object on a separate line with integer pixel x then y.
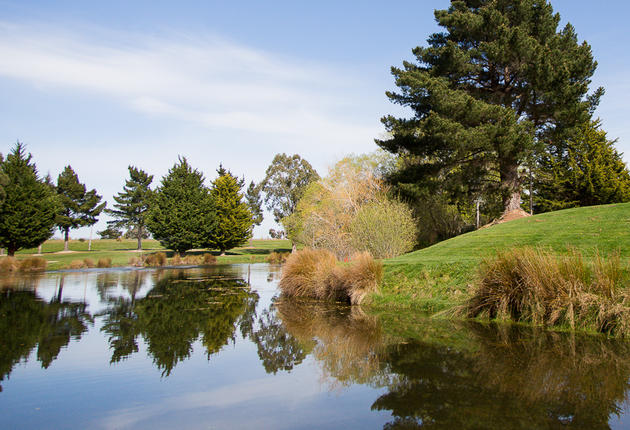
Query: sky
{"type": "Point", "coordinates": [104, 85]}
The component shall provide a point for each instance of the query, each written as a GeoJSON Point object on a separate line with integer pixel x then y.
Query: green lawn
{"type": "Point", "coordinates": [439, 277]}
{"type": "Point", "coordinates": [120, 252]}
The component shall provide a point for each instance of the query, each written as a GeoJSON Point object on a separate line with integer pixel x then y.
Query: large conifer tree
{"type": "Point", "coordinates": [234, 219]}
{"type": "Point", "coordinates": [27, 214]}
{"type": "Point", "coordinates": [79, 207]}
{"type": "Point", "coordinates": [132, 204]}
{"type": "Point", "coordinates": [498, 83]}
{"type": "Point", "coordinates": [181, 211]}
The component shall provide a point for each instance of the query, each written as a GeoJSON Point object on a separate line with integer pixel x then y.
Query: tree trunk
{"type": "Point", "coordinates": [11, 251]}
{"type": "Point", "coordinates": [511, 186]}
{"type": "Point", "coordinates": [66, 235]}
{"type": "Point", "coordinates": [294, 247]}
{"type": "Point", "coordinates": [140, 242]}
{"type": "Point", "coordinates": [222, 253]}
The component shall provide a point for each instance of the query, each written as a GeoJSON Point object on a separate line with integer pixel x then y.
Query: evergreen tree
{"type": "Point", "coordinates": [79, 208]}
{"type": "Point", "coordinates": [27, 214]}
{"type": "Point", "coordinates": [132, 204]}
{"type": "Point", "coordinates": [4, 180]}
{"type": "Point", "coordinates": [181, 211]}
{"type": "Point", "coordinates": [234, 219]}
{"type": "Point", "coordinates": [583, 171]}
{"type": "Point", "coordinates": [488, 91]}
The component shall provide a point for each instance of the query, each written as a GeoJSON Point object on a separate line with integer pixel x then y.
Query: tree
{"type": "Point", "coordinates": [498, 84]}
{"type": "Point", "coordinates": [181, 211]}
{"type": "Point", "coordinates": [234, 220]}
{"type": "Point", "coordinates": [254, 203]}
{"type": "Point", "coordinates": [584, 170]}
{"type": "Point", "coordinates": [27, 214]}
{"type": "Point", "coordinates": [110, 233]}
{"type": "Point", "coordinates": [4, 180]}
{"type": "Point", "coordinates": [132, 204]}
{"type": "Point", "coordinates": [79, 208]}
{"type": "Point", "coordinates": [285, 180]}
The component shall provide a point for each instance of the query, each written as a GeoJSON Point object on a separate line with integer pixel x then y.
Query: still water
{"type": "Point", "coordinates": [217, 348]}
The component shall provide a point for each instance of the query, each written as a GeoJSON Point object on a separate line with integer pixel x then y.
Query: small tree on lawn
{"type": "Point", "coordinates": [27, 214]}
{"type": "Point", "coordinates": [181, 211]}
{"type": "Point", "coordinates": [132, 204]}
{"type": "Point", "coordinates": [79, 208]}
{"type": "Point", "coordinates": [234, 219]}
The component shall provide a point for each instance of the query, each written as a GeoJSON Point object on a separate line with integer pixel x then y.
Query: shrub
{"type": "Point", "coordinates": [314, 273]}
{"type": "Point", "coordinates": [9, 264]}
{"type": "Point", "coordinates": [385, 228]}
{"type": "Point", "coordinates": [77, 264]}
{"type": "Point", "coordinates": [157, 259]}
{"type": "Point", "coordinates": [33, 264]}
{"type": "Point", "coordinates": [538, 287]}
{"type": "Point", "coordinates": [104, 263]}
{"type": "Point", "coordinates": [81, 240]}
{"type": "Point", "coordinates": [278, 257]}
{"type": "Point", "coordinates": [89, 263]}
{"type": "Point", "coordinates": [209, 259]}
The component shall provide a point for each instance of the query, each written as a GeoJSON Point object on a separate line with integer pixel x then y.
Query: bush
{"type": "Point", "coordinates": [77, 264]}
{"type": "Point", "coordinates": [538, 287]}
{"type": "Point", "coordinates": [104, 263]}
{"type": "Point", "coordinates": [81, 240]}
{"type": "Point", "coordinates": [385, 228]}
{"type": "Point", "coordinates": [33, 264]}
{"type": "Point", "coordinates": [314, 273]}
{"type": "Point", "coordinates": [157, 259]}
{"type": "Point", "coordinates": [9, 264]}
{"type": "Point", "coordinates": [278, 257]}
{"type": "Point", "coordinates": [209, 259]}
{"type": "Point", "coordinates": [89, 263]}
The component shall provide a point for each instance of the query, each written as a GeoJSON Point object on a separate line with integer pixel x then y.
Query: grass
{"type": "Point", "coordinates": [442, 276]}
{"type": "Point", "coordinates": [119, 253]}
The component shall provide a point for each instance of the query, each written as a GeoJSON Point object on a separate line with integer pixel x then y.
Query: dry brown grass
{"type": "Point", "coordinates": [315, 273]}
{"type": "Point", "coordinates": [104, 263]}
{"type": "Point", "coordinates": [209, 259]}
{"type": "Point", "coordinates": [89, 263]}
{"type": "Point", "coordinates": [33, 264]}
{"type": "Point", "coordinates": [535, 286]}
{"type": "Point", "coordinates": [77, 264]}
{"type": "Point", "coordinates": [278, 257]}
{"type": "Point", "coordinates": [136, 261]}
{"type": "Point", "coordinates": [157, 259]}
{"type": "Point", "coordinates": [9, 264]}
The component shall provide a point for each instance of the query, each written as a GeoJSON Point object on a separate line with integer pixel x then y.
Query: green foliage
{"type": "Point", "coordinates": [233, 219]}
{"type": "Point", "coordinates": [181, 212]}
{"type": "Point", "coordinates": [110, 233]}
{"type": "Point", "coordinates": [27, 214]}
{"type": "Point", "coordinates": [254, 203]}
{"type": "Point", "coordinates": [4, 180]}
{"type": "Point", "coordinates": [384, 228]}
{"type": "Point", "coordinates": [285, 180]}
{"type": "Point", "coordinates": [585, 170]}
{"type": "Point", "coordinates": [132, 204]}
{"type": "Point", "coordinates": [486, 92]}
{"type": "Point", "coordinates": [79, 207]}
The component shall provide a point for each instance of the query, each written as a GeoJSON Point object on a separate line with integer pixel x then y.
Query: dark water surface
{"type": "Point", "coordinates": [216, 348]}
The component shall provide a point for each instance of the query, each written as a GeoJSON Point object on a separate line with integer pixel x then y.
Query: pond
{"type": "Point", "coordinates": [218, 348]}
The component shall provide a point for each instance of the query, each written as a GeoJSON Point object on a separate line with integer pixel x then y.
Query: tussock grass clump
{"type": "Point", "coordinates": [277, 257]}
{"type": "Point", "coordinates": [157, 259]}
{"type": "Point", "coordinates": [77, 264]}
{"type": "Point", "coordinates": [533, 285]}
{"type": "Point", "coordinates": [136, 261]}
{"type": "Point", "coordinates": [33, 264]}
{"type": "Point", "coordinates": [89, 263]}
{"type": "Point", "coordinates": [315, 273]}
{"type": "Point", "coordinates": [103, 263]}
{"type": "Point", "coordinates": [209, 259]}
{"type": "Point", "coordinates": [9, 264]}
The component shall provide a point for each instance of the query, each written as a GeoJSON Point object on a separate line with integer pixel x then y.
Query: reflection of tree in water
{"type": "Point", "coordinates": [27, 321]}
{"type": "Point", "coordinates": [175, 313]}
{"type": "Point", "coordinates": [506, 378]}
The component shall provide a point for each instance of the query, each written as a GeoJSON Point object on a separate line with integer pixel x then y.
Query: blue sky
{"type": "Point", "coordinates": [101, 85]}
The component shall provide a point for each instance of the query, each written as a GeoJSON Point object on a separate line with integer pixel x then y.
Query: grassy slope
{"type": "Point", "coordinates": [255, 251]}
{"type": "Point", "coordinates": [438, 277]}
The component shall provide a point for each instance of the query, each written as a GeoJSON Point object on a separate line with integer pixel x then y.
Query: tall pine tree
{"type": "Point", "coordinates": [27, 214]}
{"type": "Point", "coordinates": [79, 207]}
{"type": "Point", "coordinates": [495, 86]}
{"type": "Point", "coordinates": [234, 220]}
{"type": "Point", "coordinates": [132, 204]}
{"type": "Point", "coordinates": [181, 211]}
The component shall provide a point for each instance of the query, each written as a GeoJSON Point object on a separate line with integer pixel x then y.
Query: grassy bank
{"type": "Point", "coordinates": [440, 277]}
{"type": "Point", "coordinates": [121, 252]}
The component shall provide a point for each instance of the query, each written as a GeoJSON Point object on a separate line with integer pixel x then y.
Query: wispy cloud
{"type": "Point", "coordinates": [205, 80]}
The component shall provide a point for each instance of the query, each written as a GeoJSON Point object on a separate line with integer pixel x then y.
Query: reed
{"type": "Point", "coordinates": [535, 286]}
{"type": "Point", "coordinates": [33, 264]}
{"type": "Point", "coordinates": [277, 257]}
{"type": "Point", "coordinates": [89, 263]}
{"type": "Point", "coordinates": [77, 264]}
{"type": "Point", "coordinates": [209, 259]}
{"type": "Point", "coordinates": [157, 259]}
{"type": "Point", "coordinates": [9, 264]}
{"type": "Point", "coordinates": [103, 263]}
{"type": "Point", "coordinates": [315, 273]}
